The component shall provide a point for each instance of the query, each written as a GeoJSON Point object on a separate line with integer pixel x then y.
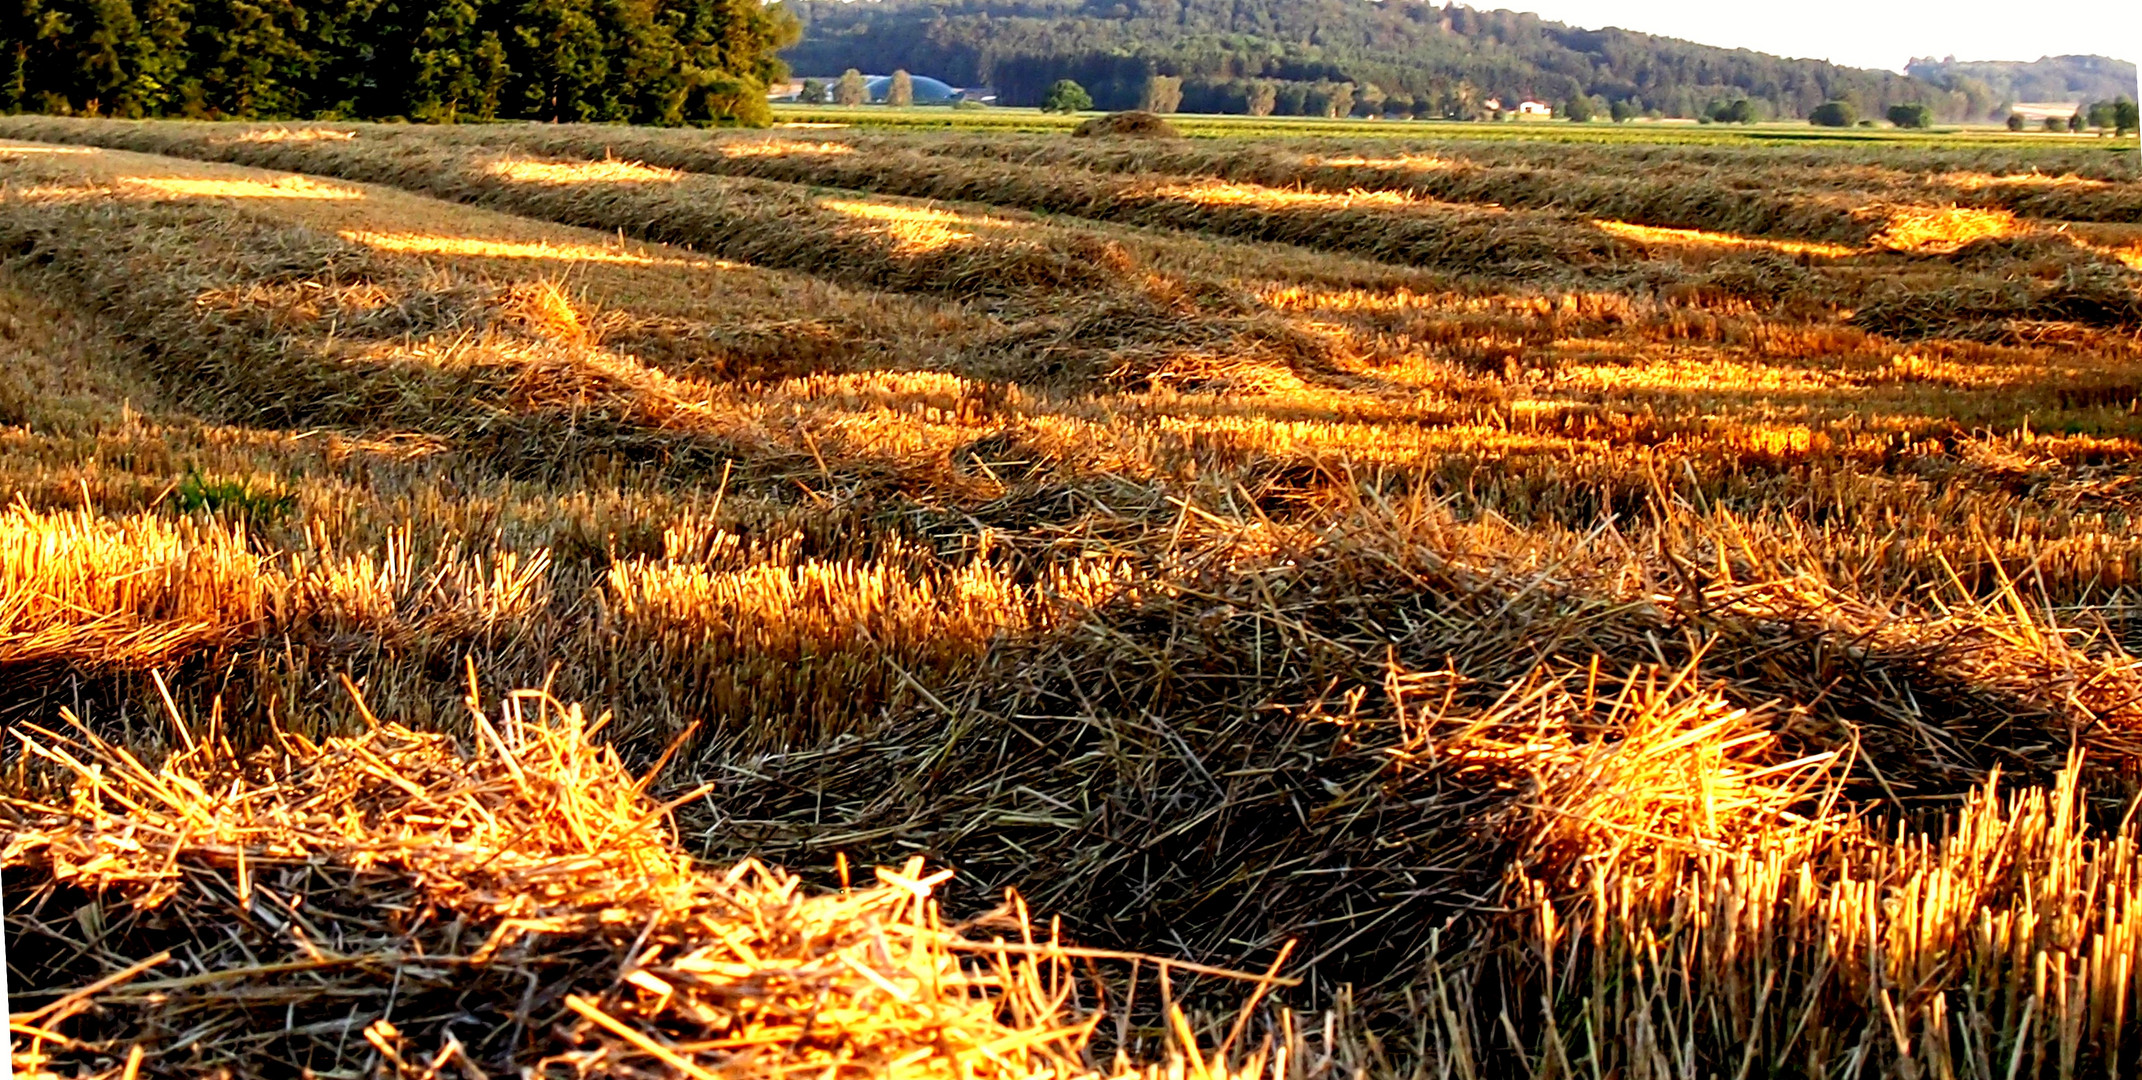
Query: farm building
{"type": "Point", "coordinates": [928, 91]}
{"type": "Point", "coordinates": [2031, 111]}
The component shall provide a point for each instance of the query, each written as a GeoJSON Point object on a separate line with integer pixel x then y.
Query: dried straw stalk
{"type": "Point", "coordinates": [402, 904]}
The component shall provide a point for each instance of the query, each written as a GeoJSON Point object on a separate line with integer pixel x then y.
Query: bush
{"type": "Point", "coordinates": [1067, 97]}
{"type": "Point", "coordinates": [1911, 115]}
{"type": "Point", "coordinates": [813, 92]}
{"type": "Point", "coordinates": [1578, 109]}
{"type": "Point", "coordinates": [2055, 123]}
{"type": "Point", "coordinates": [233, 499]}
{"type": "Point", "coordinates": [1623, 111]}
{"type": "Point", "coordinates": [1836, 114]}
{"type": "Point", "coordinates": [2015, 122]}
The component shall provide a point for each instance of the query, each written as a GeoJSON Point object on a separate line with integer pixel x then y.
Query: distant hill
{"type": "Point", "coordinates": [1999, 83]}
{"type": "Point", "coordinates": [1291, 56]}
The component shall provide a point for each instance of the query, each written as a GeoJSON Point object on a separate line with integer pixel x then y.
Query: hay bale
{"type": "Point", "coordinates": [1133, 124]}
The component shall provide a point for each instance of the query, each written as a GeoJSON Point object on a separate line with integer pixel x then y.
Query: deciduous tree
{"type": "Point", "coordinates": [1067, 97]}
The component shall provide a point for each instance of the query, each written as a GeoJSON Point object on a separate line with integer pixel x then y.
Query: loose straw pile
{"type": "Point", "coordinates": [400, 904]}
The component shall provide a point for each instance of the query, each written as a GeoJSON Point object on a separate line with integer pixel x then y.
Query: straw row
{"type": "Point", "coordinates": [402, 904]}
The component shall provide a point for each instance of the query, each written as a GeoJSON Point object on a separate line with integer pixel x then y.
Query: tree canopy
{"type": "Point", "coordinates": [1911, 116]}
{"type": "Point", "coordinates": [2118, 114]}
{"type": "Point", "coordinates": [1833, 114]}
{"type": "Point", "coordinates": [645, 61]}
{"type": "Point", "coordinates": [1067, 97]}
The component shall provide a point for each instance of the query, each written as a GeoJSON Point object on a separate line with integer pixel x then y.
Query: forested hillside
{"type": "Point", "coordinates": [1997, 84]}
{"type": "Point", "coordinates": [649, 61]}
{"type": "Point", "coordinates": [1291, 56]}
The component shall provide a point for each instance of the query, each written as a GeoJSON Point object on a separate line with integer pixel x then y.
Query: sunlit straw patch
{"type": "Point", "coordinates": [1777, 440]}
{"type": "Point", "coordinates": [1301, 298]}
{"type": "Point", "coordinates": [275, 135]}
{"type": "Point", "coordinates": [583, 172]}
{"type": "Point", "coordinates": [1656, 236]}
{"type": "Point", "coordinates": [1979, 181]}
{"type": "Point", "coordinates": [913, 229]}
{"type": "Point", "coordinates": [284, 187]}
{"type": "Point", "coordinates": [1940, 230]}
{"type": "Point", "coordinates": [785, 148]}
{"type": "Point", "coordinates": [1218, 193]}
{"type": "Point", "coordinates": [1399, 161]}
{"type": "Point", "coordinates": [482, 248]}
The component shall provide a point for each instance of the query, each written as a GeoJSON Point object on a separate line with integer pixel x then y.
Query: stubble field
{"type": "Point", "coordinates": [1534, 608]}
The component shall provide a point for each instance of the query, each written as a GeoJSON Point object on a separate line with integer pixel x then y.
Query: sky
{"type": "Point", "coordinates": [1870, 33]}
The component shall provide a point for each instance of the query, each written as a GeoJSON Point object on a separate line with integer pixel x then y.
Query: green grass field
{"type": "Point", "coordinates": [1677, 132]}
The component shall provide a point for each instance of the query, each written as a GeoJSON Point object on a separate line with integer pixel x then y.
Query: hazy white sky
{"type": "Point", "coordinates": [1871, 33]}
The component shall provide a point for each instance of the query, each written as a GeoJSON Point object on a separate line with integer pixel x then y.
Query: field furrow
{"type": "Point", "coordinates": [753, 216]}
{"type": "Point", "coordinates": [2017, 271]}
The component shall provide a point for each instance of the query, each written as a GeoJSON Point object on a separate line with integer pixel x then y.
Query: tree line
{"type": "Point", "coordinates": [1294, 57]}
{"type": "Point", "coordinates": [2118, 116]}
{"type": "Point", "coordinates": [644, 61]}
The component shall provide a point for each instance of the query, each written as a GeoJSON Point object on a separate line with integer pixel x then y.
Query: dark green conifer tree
{"type": "Point", "coordinates": [458, 68]}
{"type": "Point", "coordinates": [68, 56]}
{"type": "Point", "coordinates": [557, 53]}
